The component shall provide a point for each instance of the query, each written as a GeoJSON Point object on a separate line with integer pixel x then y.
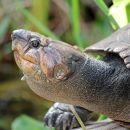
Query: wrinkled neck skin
{"type": "Point", "coordinates": [95, 85]}
{"type": "Point", "coordinates": [80, 88]}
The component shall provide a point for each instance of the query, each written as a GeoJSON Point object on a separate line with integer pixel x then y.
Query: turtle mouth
{"type": "Point", "coordinates": [20, 49]}
{"type": "Point", "coordinates": [20, 56]}
{"type": "Point", "coordinates": [27, 66]}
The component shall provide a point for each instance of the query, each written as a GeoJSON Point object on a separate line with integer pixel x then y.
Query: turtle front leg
{"type": "Point", "coordinates": [61, 117]}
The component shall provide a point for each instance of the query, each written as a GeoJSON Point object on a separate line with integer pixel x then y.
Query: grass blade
{"type": "Point", "coordinates": [101, 4]}
{"type": "Point", "coordinates": [40, 26]}
{"type": "Point", "coordinates": [78, 118]}
{"type": "Point", "coordinates": [75, 22]}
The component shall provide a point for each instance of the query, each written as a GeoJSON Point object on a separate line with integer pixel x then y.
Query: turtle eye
{"type": "Point", "coordinates": [35, 43]}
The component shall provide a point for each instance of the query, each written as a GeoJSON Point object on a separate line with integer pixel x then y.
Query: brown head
{"type": "Point", "coordinates": [45, 62]}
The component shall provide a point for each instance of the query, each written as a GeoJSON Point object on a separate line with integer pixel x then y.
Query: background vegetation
{"type": "Point", "coordinates": [78, 22]}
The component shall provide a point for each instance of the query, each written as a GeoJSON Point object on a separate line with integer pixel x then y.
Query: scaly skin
{"type": "Point", "coordinates": [58, 72]}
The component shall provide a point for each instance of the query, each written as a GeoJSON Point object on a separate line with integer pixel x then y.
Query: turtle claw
{"type": "Point", "coordinates": [59, 118]}
{"type": "Point", "coordinates": [128, 66]}
{"type": "Point", "coordinates": [23, 78]}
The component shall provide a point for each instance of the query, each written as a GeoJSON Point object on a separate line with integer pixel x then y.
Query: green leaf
{"type": "Point", "coordinates": [102, 117]}
{"type": "Point", "coordinates": [4, 24]}
{"type": "Point", "coordinates": [27, 123]}
{"type": "Point", "coordinates": [120, 10]}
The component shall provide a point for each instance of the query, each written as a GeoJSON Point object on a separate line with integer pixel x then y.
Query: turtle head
{"type": "Point", "coordinates": [43, 60]}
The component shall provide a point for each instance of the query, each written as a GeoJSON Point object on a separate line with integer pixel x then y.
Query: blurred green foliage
{"type": "Point", "coordinates": [76, 22]}
{"type": "Point", "coordinates": [120, 11]}
{"type": "Point", "coordinates": [101, 4]}
{"type": "Point", "coordinates": [27, 123]}
{"type": "Point", "coordinates": [39, 25]}
{"type": "Point", "coordinates": [4, 25]}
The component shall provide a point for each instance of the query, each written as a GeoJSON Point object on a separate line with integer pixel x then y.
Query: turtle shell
{"type": "Point", "coordinates": [118, 42]}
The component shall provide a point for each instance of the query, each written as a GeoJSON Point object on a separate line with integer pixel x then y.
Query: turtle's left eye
{"type": "Point", "coordinates": [34, 42]}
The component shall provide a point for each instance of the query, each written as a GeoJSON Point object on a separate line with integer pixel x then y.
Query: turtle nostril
{"type": "Point", "coordinates": [13, 37]}
{"type": "Point", "coordinates": [20, 33]}
{"type": "Point", "coordinates": [15, 34]}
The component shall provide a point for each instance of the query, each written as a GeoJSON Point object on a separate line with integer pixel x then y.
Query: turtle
{"type": "Point", "coordinates": [66, 75]}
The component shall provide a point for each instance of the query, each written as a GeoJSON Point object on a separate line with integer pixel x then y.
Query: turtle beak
{"type": "Point", "coordinates": [19, 35]}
